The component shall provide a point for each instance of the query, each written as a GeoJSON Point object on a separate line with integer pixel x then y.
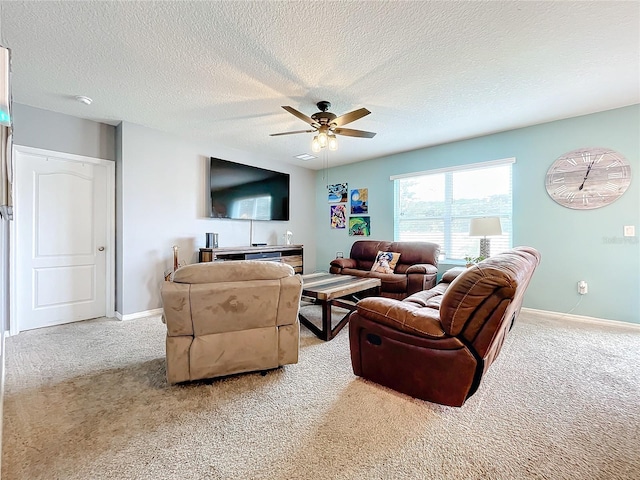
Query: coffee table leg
{"type": "Point", "coordinates": [327, 333]}
{"type": "Point", "coordinates": [326, 320]}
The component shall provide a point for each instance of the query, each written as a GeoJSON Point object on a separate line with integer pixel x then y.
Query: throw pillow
{"type": "Point", "coordinates": [385, 262]}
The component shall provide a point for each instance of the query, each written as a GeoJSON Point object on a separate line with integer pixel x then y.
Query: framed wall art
{"type": "Point", "coordinates": [338, 216]}
{"type": "Point", "coordinates": [338, 193]}
{"type": "Point", "coordinates": [360, 201]}
{"type": "Point", "coordinates": [359, 226]}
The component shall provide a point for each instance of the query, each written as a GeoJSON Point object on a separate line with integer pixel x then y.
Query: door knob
{"type": "Point", "coordinates": [101, 249]}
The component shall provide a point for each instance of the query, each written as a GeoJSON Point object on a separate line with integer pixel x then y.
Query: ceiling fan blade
{"type": "Point", "coordinates": [350, 117]}
{"type": "Point", "coordinates": [350, 132]}
{"type": "Point", "coordinates": [290, 133]}
{"type": "Point", "coordinates": [301, 116]}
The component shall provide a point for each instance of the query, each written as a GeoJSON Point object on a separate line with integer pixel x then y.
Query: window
{"type": "Point", "coordinates": [258, 208]}
{"type": "Point", "coordinates": [437, 205]}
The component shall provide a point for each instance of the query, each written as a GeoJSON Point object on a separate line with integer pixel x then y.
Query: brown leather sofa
{"type": "Point", "coordinates": [230, 317]}
{"type": "Point", "coordinates": [437, 344]}
{"type": "Point", "coordinates": [416, 270]}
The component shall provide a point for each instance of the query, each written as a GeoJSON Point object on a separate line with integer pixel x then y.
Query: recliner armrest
{"type": "Point", "coordinates": [421, 276]}
{"type": "Point", "coordinates": [451, 274]}
{"type": "Point", "coordinates": [344, 263]}
{"type": "Point", "coordinates": [422, 268]}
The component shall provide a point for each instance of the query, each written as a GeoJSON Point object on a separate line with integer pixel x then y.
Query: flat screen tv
{"type": "Point", "coordinates": [243, 192]}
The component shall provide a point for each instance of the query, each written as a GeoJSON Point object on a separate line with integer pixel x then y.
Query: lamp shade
{"type": "Point", "coordinates": [485, 227]}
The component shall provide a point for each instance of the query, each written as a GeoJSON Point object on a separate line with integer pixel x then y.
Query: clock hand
{"type": "Point", "coordinates": [585, 177]}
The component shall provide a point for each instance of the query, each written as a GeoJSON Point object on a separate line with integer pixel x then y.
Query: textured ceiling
{"type": "Point", "coordinates": [430, 72]}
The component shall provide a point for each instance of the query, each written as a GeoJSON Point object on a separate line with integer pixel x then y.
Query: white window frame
{"type": "Point", "coordinates": [448, 219]}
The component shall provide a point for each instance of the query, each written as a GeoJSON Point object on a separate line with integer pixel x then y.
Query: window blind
{"type": "Point", "coordinates": [437, 206]}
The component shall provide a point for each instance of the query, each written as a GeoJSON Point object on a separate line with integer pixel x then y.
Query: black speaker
{"type": "Point", "coordinates": [212, 240]}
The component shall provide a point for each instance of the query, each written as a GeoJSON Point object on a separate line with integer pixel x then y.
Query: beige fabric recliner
{"type": "Point", "coordinates": [230, 317]}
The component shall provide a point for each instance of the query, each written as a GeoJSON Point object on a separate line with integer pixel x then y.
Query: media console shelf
{"type": "Point", "coordinates": [289, 254]}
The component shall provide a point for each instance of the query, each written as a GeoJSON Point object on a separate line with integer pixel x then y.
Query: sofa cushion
{"type": "Point", "coordinates": [476, 293]}
{"type": "Point", "coordinates": [390, 282]}
{"type": "Point", "coordinates": [414, 253]}
{"type": "Point", "coordinates": [404, 316]}
{"type": "Point", "coordinates": [364, 252]}
{"type": "Point", "coordinates": [234, 306]}
{"type": "Point", "coordinates": [385, 262]}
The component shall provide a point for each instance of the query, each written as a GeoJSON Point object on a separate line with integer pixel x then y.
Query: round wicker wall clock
{"type": "Point", "coordinates": [588, 178]}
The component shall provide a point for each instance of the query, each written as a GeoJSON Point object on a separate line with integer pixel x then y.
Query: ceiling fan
{"type": "Point", "coordinates": [328, 125]}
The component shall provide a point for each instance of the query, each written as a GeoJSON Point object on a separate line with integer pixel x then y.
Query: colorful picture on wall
{"type": "Point", "coordinates": [360, 201]}
{"type": "Point", "coordinates": [360, 226]}
{"type": "Point", "coordinates": [338, 193]}
{"type": "Point", "coordinates": [338, 216]}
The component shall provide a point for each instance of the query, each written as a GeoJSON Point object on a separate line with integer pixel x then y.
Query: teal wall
{"type": "Point", "coordinates": [574, 244]}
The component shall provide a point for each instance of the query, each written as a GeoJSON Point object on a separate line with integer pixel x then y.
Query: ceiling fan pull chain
{"type": "Point", "coordinates": [326, 166]}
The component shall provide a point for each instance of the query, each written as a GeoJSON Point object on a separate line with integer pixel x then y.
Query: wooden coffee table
{"type": "Point", "coordinates": [331, 290]}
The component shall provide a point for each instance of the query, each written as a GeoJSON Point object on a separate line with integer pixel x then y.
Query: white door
{"type": "Point", "coordinates": [60, 243]}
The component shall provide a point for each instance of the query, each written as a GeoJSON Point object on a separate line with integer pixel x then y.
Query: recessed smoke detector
{"type": "Point", "coordinates": [83, 99]}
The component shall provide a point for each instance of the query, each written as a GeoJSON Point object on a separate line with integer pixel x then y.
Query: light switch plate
{"type": "Point", "coordinates": [629, 231]}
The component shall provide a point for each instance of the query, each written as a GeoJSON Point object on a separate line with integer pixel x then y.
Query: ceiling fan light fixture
{"type": "Point", "coordinates": [323, 139]}
{"type": "Point", "coordinates": [327, 125]}
{"type": "Point", "coordinates": [315, 145]}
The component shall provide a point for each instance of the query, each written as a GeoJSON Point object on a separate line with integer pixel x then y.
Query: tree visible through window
{"type": "Point", "coordinates": [437, 206]}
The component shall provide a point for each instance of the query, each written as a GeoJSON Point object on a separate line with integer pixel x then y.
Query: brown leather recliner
{"type": "Point", "coordinates": [416, 269]}
{"type": "Point", "coordinates": [436, 345]}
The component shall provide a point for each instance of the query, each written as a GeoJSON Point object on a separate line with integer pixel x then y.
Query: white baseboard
{"type": "Point", "coordinates": [578, 318]}
{"type": "Point", "coordinates": [156, 312]}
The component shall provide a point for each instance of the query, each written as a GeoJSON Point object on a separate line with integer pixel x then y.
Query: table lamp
{"type": "Point", "coordinates": [485, 227]}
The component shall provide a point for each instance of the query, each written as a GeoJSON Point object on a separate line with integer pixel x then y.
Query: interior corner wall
{"type": "Point", "coordinates": [163, 199]}
{"type": "Point", "coordinates": [118, 281]}
{"type": "Point", "coordinates": [575, 244]}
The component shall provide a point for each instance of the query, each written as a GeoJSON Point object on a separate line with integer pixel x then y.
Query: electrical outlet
{"type": "Point", "coordinates": [583, 288]}
{"type": "Point", "coordinates": [339, 254]}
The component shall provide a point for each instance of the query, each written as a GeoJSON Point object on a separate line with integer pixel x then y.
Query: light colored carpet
{"type": "Point", "coordinates": [89, 401]}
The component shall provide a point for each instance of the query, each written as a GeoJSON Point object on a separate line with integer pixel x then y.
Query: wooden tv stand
{"type": "Point", "coordinates": [289, 254]}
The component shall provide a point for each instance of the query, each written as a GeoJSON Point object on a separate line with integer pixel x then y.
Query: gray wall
{"type": "Point", "coordinates": [164, 203]}
{"type": "Point", "coordinates": [38, 128]}
{"type": "Point", "coordinates": [161, 197]}
{"type": "Point", "coordinates": [575, 245]}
